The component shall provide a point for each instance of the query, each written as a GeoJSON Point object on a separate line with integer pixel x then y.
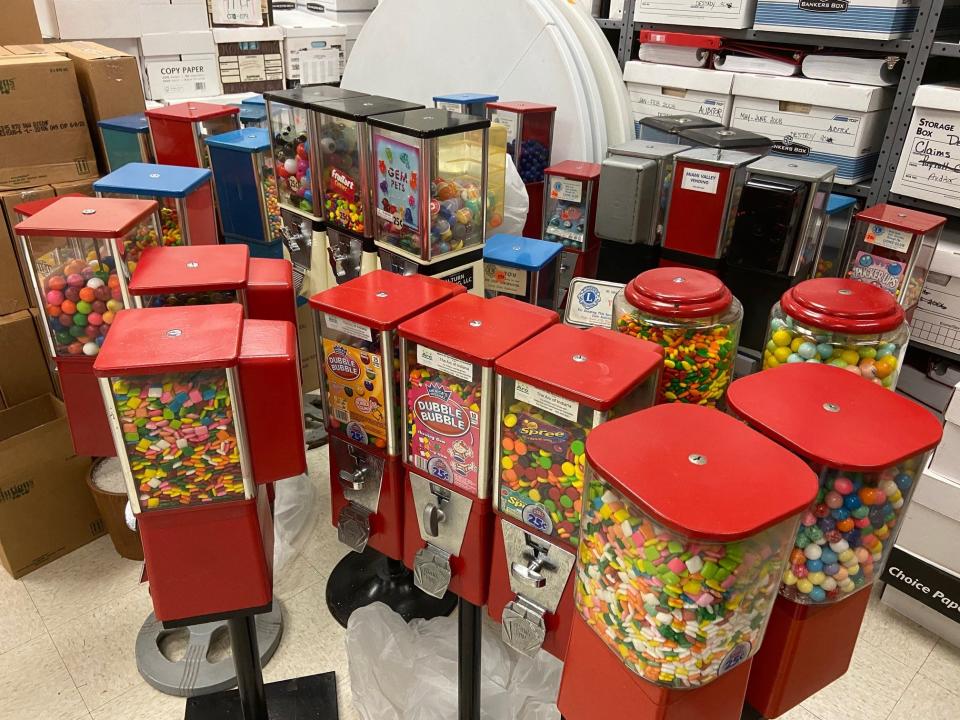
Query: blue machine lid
{"type": "Point", "coordinates": [255, 101]}
{"type": "Point", "coordinates": [466, 98]}
{"type": "Point", "coordinates": [153, 180]}
{"type": "Point", "coordinates": [136, 123]}
{"type": "Point", "coordinates": [836, 203]}
{"type": "Point", "coordinates": [253, 113]}
{"type": "Point", "coordinates": [520, 252]}
{"type": "Point", "coordinates": [249, 140]}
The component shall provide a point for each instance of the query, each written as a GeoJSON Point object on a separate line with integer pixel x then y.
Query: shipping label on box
{"type": "Point", "coordinates": [314, 61]}
{"type": "Point", "coordinates": [179, 79]}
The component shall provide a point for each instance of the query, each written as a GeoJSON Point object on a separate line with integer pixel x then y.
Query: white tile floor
{"type": "Point", "coordinates": [67, 635]}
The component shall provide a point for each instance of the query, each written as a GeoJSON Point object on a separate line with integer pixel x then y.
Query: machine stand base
{"type": "Point", "coordinates": [312, 697]}
{"type": "Point", "coordinates": [368, 577]}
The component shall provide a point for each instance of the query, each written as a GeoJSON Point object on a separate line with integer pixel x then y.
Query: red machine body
{"type": "Point", "coordinates": [178, 131]}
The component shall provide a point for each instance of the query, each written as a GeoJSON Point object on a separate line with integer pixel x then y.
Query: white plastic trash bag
{"type": "Point", "coordinates": [295, 511]}
{"type": "Point", "coordinates": [409, 672]}
{"type": "Point", "coordinates": [516, 203]}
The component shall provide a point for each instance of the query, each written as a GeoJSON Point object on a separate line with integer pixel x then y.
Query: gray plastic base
{"type": "Point", "coordinates": [194, 674]}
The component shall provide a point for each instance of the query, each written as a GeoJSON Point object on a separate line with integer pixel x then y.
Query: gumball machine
{"type": "Point", "coordinates": [126, 139]}
{"type": "Point", "coordinates": [695, 318]}
{"type": "Point", "coordinates": [702, 210]}
{"type": "Point", "coordinates": [777, 236]}
{"type": "Point", "coordinates": [465, 103]}
{"type": "Point", "coordinates": [723, 138]}
{"type": "Point", "coordinates": [362, 404]}
{"type": "Point", "coordinates": [635, 183]}
{"type": "Point", "coordinates": [522, 268]}
{"type": "Point", "coordinates": [71, 249]}
{"type": "Point", "coordinates": [674, 589]}
{"type": "Point", "coordinates": [246, 188]}
{"type": "Point", "coordinates": [569, 216]}
{"type": "Point", "coordinates": [178, 131]}
{"type": "Point", "coordinates": [253, 116]}
{"type": "Point", "coordinates": [447, 361]}
{"type": "Point", "coordinates": [667, 128]}
{"type": "Point", "coordinates": [845, 536]}
{"type": "Point", "coordinates": [431, 189]}
{"type": "Point", "coordinates": [892, 249]}
{"type": "Point", "coordinates": [552, 393]}
{"type": "Point", "coordinates": [840, 209]}
{"type": "Point", "coordinates": [184, 194]}
{"type": "Point", "coordinates": [205, 410]}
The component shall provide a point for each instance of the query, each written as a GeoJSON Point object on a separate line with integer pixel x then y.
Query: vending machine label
{"type": "Point", "coordinates": [888, 237]}
{"type": "Point", "coordinates": [501, 279]}
{"type": "Point", "coordinates": [398, 168]}
{"type": "Point", "coordinates": [348, 327]}
{"type": "Point", "coordinates": [566, 190]}
{"type": "Point", "coordinates": [355, 391]}
{"type": "Point", "coordinates": [705, 181]}
{"type": "Point", "coordinates": [446, 363]}
{"type": "Point", "coordinates": [552, 403]}
{"type": "Point", "coordinates": [590, 303]}
{"type": "Point", "coordinates": [509, 121]}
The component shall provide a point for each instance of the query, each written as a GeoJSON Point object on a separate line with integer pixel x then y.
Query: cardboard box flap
{"type": "Point", "coordinates": [702, 79]}
{"type": "Point", "coordinates": [247, 34]}
{"type": "Point", "coordinates": [939, 494]}
{"type": "Point", "coordinates": [296, 23]}
{"type": "Point", "coordinates": [941, 96]}
{"type": "Point", "coordinates": [29, 415]}
{"type": "Point", "coordinates": [20, 23]}
{"type": "Point", "coordinates": [843, 96]}
{"type": "Point", "coordinates": [87, 50]}
{"type": "Point", "coordinates": [184, 43]}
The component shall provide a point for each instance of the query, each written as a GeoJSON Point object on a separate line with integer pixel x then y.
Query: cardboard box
{"type": "Point", "coordinates": [178, 66]}
{"type": "Point", "coordinates": [162, 16]}
{"type": "Point", "coordinates": [250, 59]}
{"type": "Point", "coordinates": [23, 373]}
{"type": "Point", "coordinates": [20, 23]}
{"type": "Point", "coordinates": [15, 293]}
{"type": "Point", "coordinates": [657, 89]}
{"type": "Point", "coordinates": [95, 19]}
{"type": "Point", "coordinates": [928, 164]}
{"type": "Point", "coordinates": [77, 187]}
{"type": "Point", "coordinates": [46, 509]}
{"type": "Point", "coordinates": [936, 320]}
{"type": "Point", "coordinates": [923, 389]}
{"type": "Point", "coordinates": [946, 458]}
{"type": "Point", "coordinates": [314, 48]}
{"type": "Point", "coordinates": [307, 341]}
{"type": "Point", "coordinates": [877, 19]}
{"type": "Point", "coordinates": [238, 13]}
{"type": "Point", "coordinates": [730, 14]}
{"type": "Point", "coordinates": [836, 123]}
{"type": "Point", "coordinates": [44, 136]}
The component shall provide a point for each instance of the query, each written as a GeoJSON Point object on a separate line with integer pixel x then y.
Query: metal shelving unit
{"type": "Point", "coordinates": [826, 41]}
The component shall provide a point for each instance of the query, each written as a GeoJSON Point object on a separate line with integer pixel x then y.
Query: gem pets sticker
{"type": "Point", "coordinates": [398, 171]}
{"type": "Point", "coordinates": [355, 392]}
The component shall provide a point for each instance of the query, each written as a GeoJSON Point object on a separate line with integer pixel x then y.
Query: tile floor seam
{"type": "Point", "coordinates": [810, 711]}
{"type": "Point", "coordinates": [938, 684]}
{"type": "Point", "coordinates": [29, 640]}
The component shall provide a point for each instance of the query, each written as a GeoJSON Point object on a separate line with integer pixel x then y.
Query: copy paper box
{"type": "Point", "coordinates": [162, 16]}
{"type": "Point", "coordinates": [44, 136]}
{"type": "Point", "coordinates": [46, 509]}
{"type": "Point", "coordinates": [180, 66]}
{"type": "Point", "coordinates": [23, 373]}
{"type": "Point", "coordinates": [85, 19]}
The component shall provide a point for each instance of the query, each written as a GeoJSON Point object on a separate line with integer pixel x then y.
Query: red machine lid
{"type": "Point", "coordinates": [575, 170]}
{"type": "Point", "coordinates": [594, 368]}
{"type": "Point", "coordinates": [521, 106]}
{"type": "Point", "coordinates": [87, 217]}
{"type": "Point", "coordinates": [192, 111]}
{"type": "Point", "coordinates": [171, 339]}
{"type": "Point", "coordinates": [723, 482]}
{"type": "Point", "coordinates": [381, 300]}
{"type": "Point", "coordinates": [264, 272]}
{"type": "Point", "coordinates": [32, 207]}
{"type": "Point", "coordinates": [913, 221]}
{"type": "Point", "coordinates": [843, 305]}
{"type": "Point", "coordinates": [477, 330]}
{"type": "Point", "coordinates": [837, 420]}
{"type": "Point", "coordinates": [191, 268]}
{"type": "Point", "coordinates": [678, 292]}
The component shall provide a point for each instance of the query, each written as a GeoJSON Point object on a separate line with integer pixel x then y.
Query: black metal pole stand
{"type": "Point", "coordinates": [246, 660]}
{"type": "Point", "coordinates": [470, 631]}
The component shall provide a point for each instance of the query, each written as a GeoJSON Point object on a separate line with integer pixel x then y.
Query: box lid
{"type": "Point", "coordinates": [673, 124]}
{"type": "Point", "coordinates": [938, 96]}
{"type": "Point", "coordinates": [938, 493]}
{"type": "Point", "coordinates": [153, 180]}
{"type": "Point", "coordinates": [837, 203]}
{"type": "Point", "coordinates": [714, 156]}
{"type": "Point", "coordinates": [913, 221]}
{"type": "Point", "coordinates": [946, 259]}
{"type": "Point", "coordinates": [191, 268]}
{"type": "Point", "coordinates": [594, 367]}
{"type": "Point", "coordinates": [647, 149]}
{"type": "Point", "coordinates": [87, 217]}
{"type": "Point", "coordinates": [822, 93]}
{"type": "Point", "coordinates": [252, 114]}
{"type": "Point", "coordinates": [785, 167]}
{"type": "Point", "coordinates": [360, 108]}
{"type": "Point", "coordinates": [477, 330]}
{"type": "Point", "coordinates": [519, 106]}
{"type": "Point", "coordinates": [192, 111]}
{"type": "Point", "coordinates": [255, 100]}
{"type": "Point", "coordinates": [466, 98]}
{"type": "Point", "coordinates": [268, 33]}
{"type": "Point", "coordinates": [172, 339]}
{"type": "Point", "coordinates": [250, 140]}
{"type": "Point", "coordinates": [32, 207]}
{"type": "Point", "coordinates": [725, 138]}
{"type": "Point", "coordinates": [429, 122]}
{"type": "Point", "coordinates": [381, 300]}
{"type": "Point", "coordinates": [688, 78]}
{"type": "Point", "coordinates": [136, 123]}
{"type": "Point", "coordinates": [842, 305]}
{"type": "Point", "coordinates": [575, 170]}
{"type": "Point", "coordinates": [307, 97]}
{"type": "Point", "coordinates": [829, 423]}
{"type": "Point", "coordinates": [679, 292]}
{"type": "Point", "coordinates": [296, 23]}
{"type": "Point", "coordinates": [520, 252]}
{"type": "Point", "coordinates": [683, 480]}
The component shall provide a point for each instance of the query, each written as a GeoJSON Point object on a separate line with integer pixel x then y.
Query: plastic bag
{"type": "Point", "coordinates": [516, 202]}
{"type": "Point", "coordinates": [401, 671]}
{"type": "Point", "coordinates": [295, 511]}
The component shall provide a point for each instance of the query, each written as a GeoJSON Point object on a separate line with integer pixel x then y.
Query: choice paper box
{"type": "Point", "coordinates": [946, 458]}
{"type": "Point", "coordinates": [657, 90]}
{"type": "Point", "coordinates": [43, 131]}
{"type": "Point", "coordinates": [23, 373]}
{"type": "Point", "coordinates": [178, 66]}
{"type": "Point", "coordinates": [314, 48]}
{"type": "Point", "coordinates": [46, 509]}
{"type": "Point", "coordinates": [936, 320]}
{"type": "Point", "coordinates": [837, 123]}
{"type": "Point", "coordinates": [729, 14]}
{"type": "Point", "coordinates": [19, 24]}
{"type": "Point", "coordinates": [929, 167]}
{"type": "Point", "coordinates": [250, 59]}
{"type": "Point", "coordinates": [879, 19]}
{"type": "Point", "coordinates": [235, 13]}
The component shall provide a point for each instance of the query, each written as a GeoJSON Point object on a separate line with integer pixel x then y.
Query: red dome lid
{"type": "Point", "coordinates": [843, 305]}
{"type": "Point", "coordinates": [678, 292]}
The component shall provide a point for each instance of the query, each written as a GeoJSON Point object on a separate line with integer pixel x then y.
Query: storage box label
{"type": "Point", "coordinates": [836, 133]}
{"type": "Point", "coordinates": [237, 12]}
{"type": "Point", "coordinates": [935, 587]}
{"type": "Point", "coordinates": [179, 79]}
{"type": "Point", "coordinates": [930, 166]}
{"type": "Point", "coordinates": [318, 65]}
{"type": "Point", "coordinates": [646, 103]}
{"type": "Point", "coordinates": [705, 181]}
